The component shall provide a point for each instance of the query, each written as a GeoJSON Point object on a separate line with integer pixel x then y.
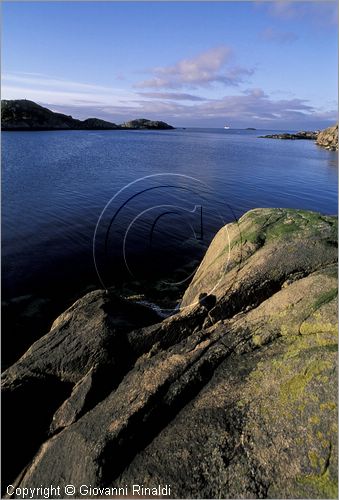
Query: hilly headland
{"type": "Point", "coordinates": [25, 115]}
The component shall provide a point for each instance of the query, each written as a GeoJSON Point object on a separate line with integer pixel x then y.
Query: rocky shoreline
{"type": "Point", "coordinates": [327, 138]}
{"type": "Point", "coordinates": [232, 397]}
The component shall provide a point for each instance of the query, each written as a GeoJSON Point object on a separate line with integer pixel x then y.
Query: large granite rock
{"type": "Point", "coordinates": [328, 138]}
{"type": "Point", "coordinates": [233, 397]}
{"type": "Point", "coordinates": [86, 343]}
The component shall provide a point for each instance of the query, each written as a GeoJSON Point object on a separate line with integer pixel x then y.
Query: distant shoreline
{"type": "Point", "coordinates": [27, 116]}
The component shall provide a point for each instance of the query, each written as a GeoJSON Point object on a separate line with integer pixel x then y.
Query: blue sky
{"type": "Point", "coordinates": [261, 64]}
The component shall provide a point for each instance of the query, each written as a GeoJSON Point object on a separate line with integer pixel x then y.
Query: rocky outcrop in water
{"type": "Point", "coordinates": [142, 123]}
{"type": "Point", "coordinates": [233, 397]}
{"type": "Point", "coordinates": [298, 135]}
{"type": "Point", "coordinates": [25, 115]}
{"type": "Point", "coordinates": [328, 138]}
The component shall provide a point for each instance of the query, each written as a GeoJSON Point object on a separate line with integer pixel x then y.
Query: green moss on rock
{"type": "Point", "coordinates": [319, 486]}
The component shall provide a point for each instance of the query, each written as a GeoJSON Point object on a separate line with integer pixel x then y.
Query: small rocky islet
{"type": "Point", "coordinates": [25, 115]}
{"type": "Point", "coordinates": [303, 134]}
{"type": "Point", "coordinates": [234, 396]}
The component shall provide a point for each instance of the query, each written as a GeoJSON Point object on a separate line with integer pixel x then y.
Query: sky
{"type": "Point", "coordinates": [262, 64]}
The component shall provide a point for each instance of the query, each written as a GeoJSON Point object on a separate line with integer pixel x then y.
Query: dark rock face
{"type": "Point", "coordinates": [86, 344]}
{"type": "Point", "coordinates": [299, 135]}
{"type": "Point", "coordinates": [142, 123]}
{"type": "Point", "coordinates": [233, 397]}
{"type": "Point", "coordinates": [328, 138]}
{"type": "Point", "coordinates": [26, 115]}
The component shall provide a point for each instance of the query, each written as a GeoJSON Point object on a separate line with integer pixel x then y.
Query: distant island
{"type": "Point", "coordinates": [25, 115]}
{"type": "Point", "coordinates": [250, 128]}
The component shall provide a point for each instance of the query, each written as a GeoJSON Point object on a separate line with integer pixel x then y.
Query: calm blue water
{"type": "Point", "coordinates": [56, 184]}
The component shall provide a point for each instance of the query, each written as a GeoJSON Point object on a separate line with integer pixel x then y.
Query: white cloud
{"type": "Point", "coordinates": [200, 71]}
{"type": "Point", "coordinates": [42, 88]}
{"type": "Point", "coordinates": [321, 13]}
{"type": "Point", "coordinates": [37, 79]}
{"type": "Point", "coordinates": [175, 96]}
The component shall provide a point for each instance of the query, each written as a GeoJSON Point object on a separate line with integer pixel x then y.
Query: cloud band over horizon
{"type": "Point", "coordinates": [84, 100]}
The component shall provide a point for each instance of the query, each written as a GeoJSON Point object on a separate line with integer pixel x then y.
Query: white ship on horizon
{"type": "Point", "coordinates": [227, 127]}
